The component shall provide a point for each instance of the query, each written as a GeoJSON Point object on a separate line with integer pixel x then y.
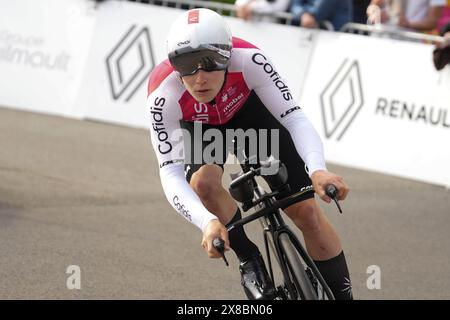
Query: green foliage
{"type": "Point", "coordinates": [226, 1]}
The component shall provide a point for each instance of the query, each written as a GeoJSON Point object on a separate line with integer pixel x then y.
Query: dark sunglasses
{"type": "Point", "coordinates": [205, 59]}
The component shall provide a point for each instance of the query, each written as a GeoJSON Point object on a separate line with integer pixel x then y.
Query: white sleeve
{"type": "Point", "coordinates": [437, 3]}
{"type": "Point", "coordinates": [239, 3]}
{"type": "Point", "coordinates": [167, 141]}
{"type": "Point", "coordinates": [264, 6]}
{"type": "Point", "coordinates": [181, 196]}
{"type": "Point", "coordinates": [271, 88]}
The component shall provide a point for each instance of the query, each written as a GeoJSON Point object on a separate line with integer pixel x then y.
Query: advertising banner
{"type": "Point", "coordinates": [380, 105]}
{"type": "Point", "coordinates": [43, 51]}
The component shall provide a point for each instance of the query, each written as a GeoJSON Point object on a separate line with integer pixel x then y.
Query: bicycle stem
{"type": "Point", "coordinates": [280, 204]}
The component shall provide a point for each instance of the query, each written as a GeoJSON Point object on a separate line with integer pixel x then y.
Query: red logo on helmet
{"type": "Point", "coordinates": [193, 16]}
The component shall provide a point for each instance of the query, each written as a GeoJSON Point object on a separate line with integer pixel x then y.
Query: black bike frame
{"type": "Point", "coordinates": [277, 226]}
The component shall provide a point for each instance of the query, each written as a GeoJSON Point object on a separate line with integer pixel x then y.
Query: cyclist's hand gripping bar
{"type": "Point", "coordinates": [331, 191]}
{"type": "Point", "coordinates": [219, 245]}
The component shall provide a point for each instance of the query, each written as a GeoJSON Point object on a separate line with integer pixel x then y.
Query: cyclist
{"type": "Point", "coordinates": [228, 83]}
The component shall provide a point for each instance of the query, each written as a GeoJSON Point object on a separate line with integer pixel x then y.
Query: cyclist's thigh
{"type": "Point", "coordinates": [207, 177]}
{"type": "Point", "coordinates": [298, 177]}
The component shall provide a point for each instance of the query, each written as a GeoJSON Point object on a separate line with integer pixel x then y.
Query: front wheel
{"type": "Point", "coordinates": [296, 281]}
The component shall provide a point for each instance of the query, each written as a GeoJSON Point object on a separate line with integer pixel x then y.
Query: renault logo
{"type": "Point", "coordinates": [129, 63]}
{"type": "Point", "coordinates": [342, 99]}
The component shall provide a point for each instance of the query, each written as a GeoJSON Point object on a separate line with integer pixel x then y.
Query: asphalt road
{"type": "Point", "coordinates": [88, 194]}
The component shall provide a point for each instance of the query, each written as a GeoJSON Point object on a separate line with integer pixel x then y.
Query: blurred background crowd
{"type": "Point", "coordinates": [428, 17]}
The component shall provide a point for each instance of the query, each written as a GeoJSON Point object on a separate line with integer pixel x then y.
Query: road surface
{"type": "Point", "coordinates": [88, 194]}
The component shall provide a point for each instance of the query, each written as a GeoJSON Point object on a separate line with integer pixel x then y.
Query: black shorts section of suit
{"type": "Point", "coordinates": [253, 115]}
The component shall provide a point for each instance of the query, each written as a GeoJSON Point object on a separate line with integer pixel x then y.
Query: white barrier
{"type": "Point", "coordinates": [43, 51]}
{"type": "Point", "coordinates": [380, 105]}
{"type": "Point", "coordinates": [130, 39]}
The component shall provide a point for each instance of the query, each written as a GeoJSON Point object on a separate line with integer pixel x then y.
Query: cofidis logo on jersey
{"type": "Point", "coordinates": [342, 99]}
{"type": "Point", "coordinates": [129, 63]}
{"type": "Point", "coordinates": [262, 61]}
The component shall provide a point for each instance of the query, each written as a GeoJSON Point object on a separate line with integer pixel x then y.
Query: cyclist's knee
{"type": "Point", "coordinates": [305, 215]}
{"type": "Point", "coordinates": [207, 181]}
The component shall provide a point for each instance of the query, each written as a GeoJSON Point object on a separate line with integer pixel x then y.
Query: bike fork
{"type": "Point", "coordinates": [310, 264]}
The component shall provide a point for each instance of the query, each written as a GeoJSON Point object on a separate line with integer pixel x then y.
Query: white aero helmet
{"type": "Point", "coordinates": [199, 39]}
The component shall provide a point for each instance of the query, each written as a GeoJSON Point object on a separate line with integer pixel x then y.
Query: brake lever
{"type": "Point", "coordinates": [219, 245]}
{"type": "Point", "coordinates": [331, 191]}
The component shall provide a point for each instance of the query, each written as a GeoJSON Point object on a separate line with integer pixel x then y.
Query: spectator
{"type": "Point", "coordinates": [313, 13]}
{"type": "Point", "coordinates": [418, 15]}
{"type": "Point", "coordinates": [384, 11]}
{"type": "Point", "coordinates": [445, 17]}
{"type": "Point", "coordinates": [359, 11]}
{"type": "Point", "coordinates": [247, 9]}
{"type": "Point", "coordinates": [422, 15]}
{"type": "Point", "coordinates": [441, 54]}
